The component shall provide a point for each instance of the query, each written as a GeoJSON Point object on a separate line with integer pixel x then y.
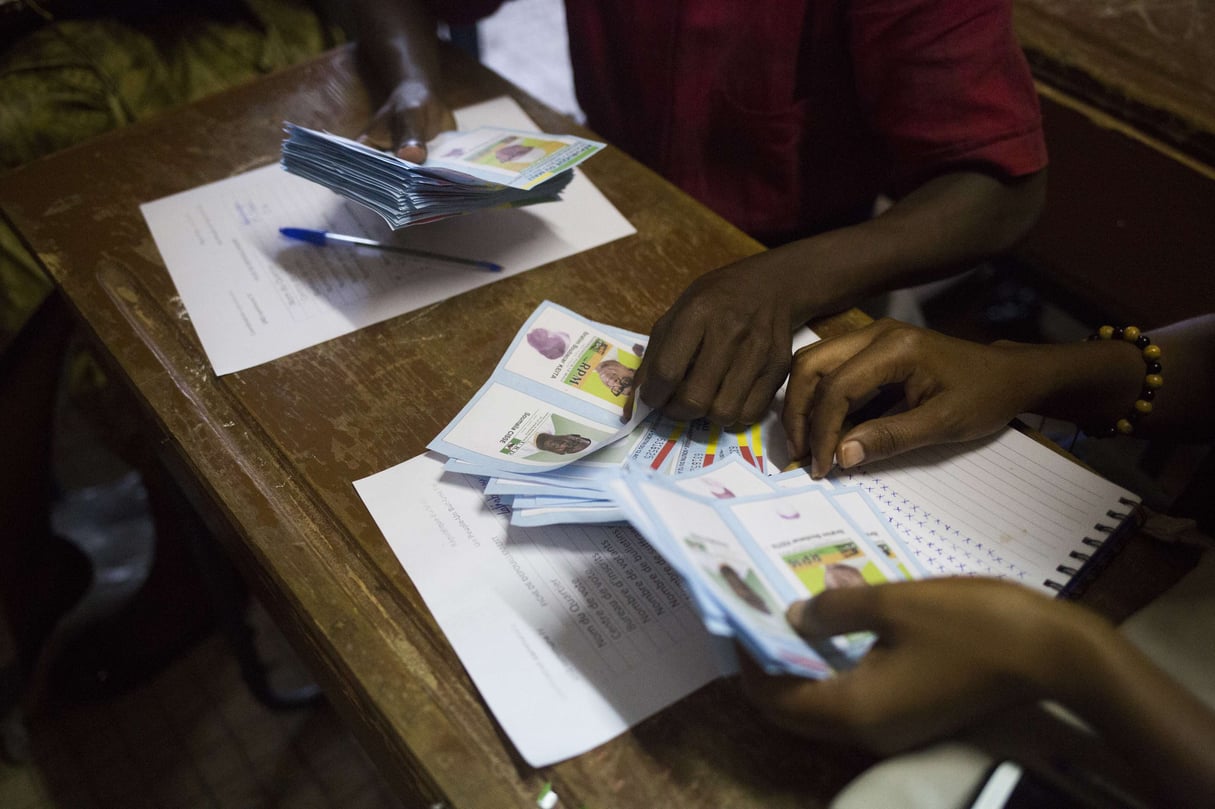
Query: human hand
{"type": "Point", "coordinates": [956, 390]}
{"type": "Point", "coordinates": [722, 350]}
{"type": "Point", "coordinates": [410, 116]}
{"type": "Point", "coordinates": [399, 58]}
{"type": "Point", "coordinates": [948, 652]}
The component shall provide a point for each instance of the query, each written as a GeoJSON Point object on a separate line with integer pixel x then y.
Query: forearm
{"type": "Point", "coordinates": [397, 40]}
{"type": "Point", "coordinates": [1142, 712]}
{"type": "Point", "coordinates": [948, 224]}
{"type": "Point", "coordinates": [1185, 406]}
{"type": "Point", "coordinates": [1096, 382]}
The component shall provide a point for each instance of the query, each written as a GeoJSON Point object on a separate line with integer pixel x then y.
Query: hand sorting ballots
{"type": "Point", "coordinates": [722, 350]}
{"type": "Point", "coordinates": [955, 390]}
{"type": "Point", "coordinates": [952, 651]}
{"type": "Point", "coordinates": [948, 651]}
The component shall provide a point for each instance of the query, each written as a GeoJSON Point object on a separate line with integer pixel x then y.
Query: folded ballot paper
{"type": "Point", "coordinates": [560, 438]}
{"type": "Point", "coordinates": [575, 631]}
{"type": "Point", "coordinates": [464, 171]}
{"type": "Point", "coordinates": [747, 545]}
{"type": "Point", "coordinates": [559, 417]}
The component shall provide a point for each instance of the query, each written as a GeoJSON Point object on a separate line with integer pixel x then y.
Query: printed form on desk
{"type": "Point", "coordinates": [253, 295]}
{"type": "Point", "coordinates": [572, 633]}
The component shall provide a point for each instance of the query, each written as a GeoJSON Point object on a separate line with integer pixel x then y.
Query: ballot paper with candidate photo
{"type": "Point", "coordinates": [506, 157]}
{"type": "Point", "coordinates": [735, 594]}
{"type": "Point", "coordinates": [576, 357]}
{"type": "Point", "coordinates": [861, 509]}
{"type": "Point", "coordinates": [253, 295]}
{"type": "Point", "coordinates": [748, 545]}
{"type": "Point", "coordinates": [553, 421]}
{"type": "Point", "coordinates": [487, 167]}
{"type": "Point", "coordinates": [563, 390]}
{"type": "Point", "coordinates": [806, 544]}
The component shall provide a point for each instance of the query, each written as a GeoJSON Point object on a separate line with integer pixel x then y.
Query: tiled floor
{"type": "Point", "coordinates": [191, 737]}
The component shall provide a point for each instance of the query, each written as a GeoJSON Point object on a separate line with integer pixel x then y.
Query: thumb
{"type": "Point", "coordinates": [836, 612]}
{"type": "Point", "coordinates": [413, 127]}
{"type": "Point", "coordinates": [413, 150]}
{"type": "Point", "coordinates": [390, 131]}
{"type": "Point", "coordinates": [884, 437]}
{"type": "Point", "coordinates": [408, 135]}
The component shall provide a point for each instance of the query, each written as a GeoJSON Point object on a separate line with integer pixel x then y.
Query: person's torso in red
{"type": "Point", "coordinates": [788, 117]}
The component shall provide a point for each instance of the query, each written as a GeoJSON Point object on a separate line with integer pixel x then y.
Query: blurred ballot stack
{"type": "Point", "coordinates": [465, 171]}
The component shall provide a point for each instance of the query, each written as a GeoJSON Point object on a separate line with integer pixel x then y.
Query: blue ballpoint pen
{"type": "Point", "coordinates": [322, 238]}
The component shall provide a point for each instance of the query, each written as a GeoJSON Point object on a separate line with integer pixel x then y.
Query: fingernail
{"type": "Point", "coordinates": [413, 151]}
{"type": "Point", "coordinates": [851, 453]}
{"type": "Point", "coordinates": [816, 468]}
{"type": "Point", "coordinates": [790, 450]}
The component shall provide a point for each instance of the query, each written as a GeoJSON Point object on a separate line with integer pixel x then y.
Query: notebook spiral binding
{"type": "Point", "coordinates": [1077, 577]}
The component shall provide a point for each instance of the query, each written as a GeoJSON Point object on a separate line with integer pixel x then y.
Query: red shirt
{"type": "Point", "coordinates": [788, 117]}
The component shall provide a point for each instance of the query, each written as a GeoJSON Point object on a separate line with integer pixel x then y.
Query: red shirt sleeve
{"type": "Point", "coordinates": [946, 85]}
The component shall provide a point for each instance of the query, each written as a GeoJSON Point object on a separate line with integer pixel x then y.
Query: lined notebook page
{"type": "Point", "coordinates": [1003, 506]}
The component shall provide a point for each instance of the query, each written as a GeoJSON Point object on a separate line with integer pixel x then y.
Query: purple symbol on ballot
{"type": "Point", "coordinates": [551, 344]}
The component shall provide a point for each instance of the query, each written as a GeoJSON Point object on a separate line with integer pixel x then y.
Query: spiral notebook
{"type": "Point", "coordinates": [1006, 506]}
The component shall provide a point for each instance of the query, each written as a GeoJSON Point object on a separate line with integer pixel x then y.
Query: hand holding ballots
{"type": "Point", "coordinates": [555, 451]}
{"type": "Point", "coordinates": [482, 168]}
{"type": "Point", "coordinates": [560, 416]}
{"type": "Point", "coordinates": [254, 295]}
{"type": "Point", "coordinates": [562, 437]}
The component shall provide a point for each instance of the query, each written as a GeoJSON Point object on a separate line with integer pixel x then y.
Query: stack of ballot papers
{"type": "Point", "coordinates": [574, 631]}
{"type": "Point", "coordinates": [560, 436]}
{"type": "Point", "coordinates": [486, 167]}
{"type": "Point", "coordinates": [559, 417]}
{"type": "Point", "coordinates": [747, 545]}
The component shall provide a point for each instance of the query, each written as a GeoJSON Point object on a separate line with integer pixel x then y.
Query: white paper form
{"type": "Point", "coordinates": [253, 295]}
{"type": "Point", "coordinates": [571, 633]}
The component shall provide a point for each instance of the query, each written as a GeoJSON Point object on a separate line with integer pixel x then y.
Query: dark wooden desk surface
{"type": "Point", "coordinates": [269, 454]}
{"type": "Point", "coordinates": [1128, 103]}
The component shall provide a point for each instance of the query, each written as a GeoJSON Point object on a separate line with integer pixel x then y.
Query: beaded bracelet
{"type": "Point", "coordinates": [1152, 380]}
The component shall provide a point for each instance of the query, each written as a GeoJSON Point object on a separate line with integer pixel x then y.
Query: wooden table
{"type": "Point", "coordinates": [269, 454]}
{"type": "Point", "coordinates": [1147, 63]}
{"type": "Point", "coordinates": [1128, 102]}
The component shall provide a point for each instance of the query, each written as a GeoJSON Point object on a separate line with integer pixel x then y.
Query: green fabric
{"type": "Point", "coordinates": [23, 286]}
{"type": "Point", "coordinates": [73, 79]}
